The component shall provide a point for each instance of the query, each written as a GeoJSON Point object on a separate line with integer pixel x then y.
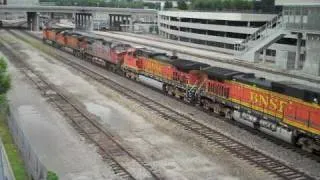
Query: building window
{"type": "Point", "coordinates": [257, 24]}
{"type": "Point", "coordinates": [217, 22]}
{"type": "Point", "coordinates": [173, 19]}
{"type": "Point", "coordinates": [185, 20]}
{"type": "Point", "coordinates": [184, 39]}
{"type": "Point", "coordinates": [184, 29]}
{"type": "Point", "coordinates": [237, 23]}
{"type": "Point", "coordinates": [271, 52]}
{"type": "Point", "coordinates": [197, 41]}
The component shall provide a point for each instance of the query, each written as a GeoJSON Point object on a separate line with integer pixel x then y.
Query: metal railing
{"type": "Point", "coordinates": [261, 33]}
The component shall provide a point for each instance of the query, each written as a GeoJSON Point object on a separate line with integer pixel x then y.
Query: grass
{"type": "Point", "coordinates": [13, 154]}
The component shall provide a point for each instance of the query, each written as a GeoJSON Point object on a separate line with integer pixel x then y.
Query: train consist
{"type": "Point", "coordinates": [286, 110]}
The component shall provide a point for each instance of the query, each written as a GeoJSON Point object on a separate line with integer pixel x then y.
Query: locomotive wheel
{"type": "Point", "coordinates": [306, 144]}
{"type": "Point", "coordinates": [217, 108]}
{"type": "Point", "coordinates": [171, 91]}
{"type": "Point", "coordinates": [164, 88]}
{"type": "Point", "coordinates": [228, 114]}
{"type": "Point", "coordinates": [206, 103]}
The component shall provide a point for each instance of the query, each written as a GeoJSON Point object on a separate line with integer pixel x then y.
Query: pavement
{"type": "Point", "coordinates": [60, 148]}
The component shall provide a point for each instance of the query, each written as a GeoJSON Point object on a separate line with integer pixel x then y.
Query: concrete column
{"type": "Point", "coordinates": [33, 21]}
{"type": "Point", "coordinates": [85, 21]}
{"type": "Point", "coordinates": [127, 23]}
{"type": "Point", "coordinates": [91, 23]}
{"type": "Point", "coordinates": [110, 21]}
{"type": "Point", "coordinates": [264, 55]}
{"type": "Point", "coordinates": [312, 63]}
{"type": "Point", "coordinates": [77, 20]}
{"type": "Point", "coordinates": [51, 15]}
{"type": "Point", "coordinates": [131, 24]}
{"type": "Point", "coordinates": [36, 22]}
{"type": "Point", "coordinates": [29, 21]}
{"type": "Point", "coordinates": [298, 50]}
{"type": "Point", "coordinates": [82, 21]}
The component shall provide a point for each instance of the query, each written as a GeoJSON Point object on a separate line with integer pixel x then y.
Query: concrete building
{"type": "Point", "coordinates": [288, 41]}
{"type": "Point", "coordinates": [219, 30]}
{"type": "Point", "coordinates": [302, 18]}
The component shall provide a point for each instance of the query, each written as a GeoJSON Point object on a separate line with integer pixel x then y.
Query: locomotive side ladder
{"type": "Point", "coordinates": [250, 48]}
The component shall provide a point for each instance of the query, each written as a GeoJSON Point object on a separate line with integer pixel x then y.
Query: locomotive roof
{"type": "Point", "coordinates": [154, 55]}
{"type": "Point", "coordinates": [187, 65]}
{"type": "Point", "coordinates": [220, 73]}
{"type": "Point", "coordinates": [297, 90]}
{"type": "Point", "coordinates": [251, 79]}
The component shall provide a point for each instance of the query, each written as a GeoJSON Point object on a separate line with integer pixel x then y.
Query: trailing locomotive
{"type": "Point", "coordinates": [285, 110]}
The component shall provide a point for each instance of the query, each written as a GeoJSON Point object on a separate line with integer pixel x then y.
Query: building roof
{"type": "Point", "coordinates": [219, 15]}
{"type": "Point", "coordinates": [297, 2]}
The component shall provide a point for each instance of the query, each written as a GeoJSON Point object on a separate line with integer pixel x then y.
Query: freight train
{"type": "Point", "coordinates": [286, 110]}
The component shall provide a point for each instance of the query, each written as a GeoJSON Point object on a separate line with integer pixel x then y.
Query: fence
{"type": "Point", "coordinates": [35, 168]}
{"type": "Point", "coordinates": [5, 168]}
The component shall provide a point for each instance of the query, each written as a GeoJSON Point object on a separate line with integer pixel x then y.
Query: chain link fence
{"type": "Point", "coordinates": [6, 172]}
{"type": "Point", "coordinates": [35, 168]}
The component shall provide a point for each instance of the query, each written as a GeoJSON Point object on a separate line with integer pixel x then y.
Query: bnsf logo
{"type": "Point", "coordinates": [269, 102]}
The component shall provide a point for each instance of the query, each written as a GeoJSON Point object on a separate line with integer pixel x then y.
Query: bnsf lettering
{"type": "Point", "coordinates": [264, 101]}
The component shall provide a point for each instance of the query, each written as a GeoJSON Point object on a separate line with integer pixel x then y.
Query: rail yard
{"type": "Point", "coordinates": [142, 122]}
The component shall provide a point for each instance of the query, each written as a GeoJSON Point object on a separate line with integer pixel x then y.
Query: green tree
{"type": "Point", "coordinates": [226, 4]}
{"type": "Point", "coordinates": [182, 5]}
{"type": "Point", "coordinates": [4, 80]}
{"type": "Point", "coordinates": [267, 6]}
{"type": "Point", "coordinates": [221, 4]}
{"type": "Point", "coordinates": [168, 5]}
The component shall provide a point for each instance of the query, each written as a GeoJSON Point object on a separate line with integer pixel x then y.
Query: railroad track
{"type": "Point", "coordinates": [109, 148]}
{"type": "Point", "coordinates": [258, 159]}
{"type": "Point", "coordinates": [313, 156]}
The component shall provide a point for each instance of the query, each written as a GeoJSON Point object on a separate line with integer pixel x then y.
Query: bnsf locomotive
{"type": "Point", "coordinates": [287, 110]}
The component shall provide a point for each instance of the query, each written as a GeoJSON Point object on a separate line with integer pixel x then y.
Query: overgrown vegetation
{"type": "Point", "coordinates": [222, 4]}
{"type": "Point", "coordinates": [264, 6]}
{"type": "Point", "coordinates": [101, 3]}
{"type": "Point", "coordinates": [14, 157]}
{"type": "Point", "coordinates": [52, 176]}
{"type": "Point", "coordinates": [4, 80]}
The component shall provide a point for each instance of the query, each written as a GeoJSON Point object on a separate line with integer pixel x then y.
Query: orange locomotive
{"type": "Point", "coordinates": [286, 110]}
{"type": "Point", "coordinates": [178, 76]}
{"type": "Point", "coordinates": [99, 51]}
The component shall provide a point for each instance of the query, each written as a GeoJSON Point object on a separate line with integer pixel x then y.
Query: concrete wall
{"type": "Point", "coordinates": [312, 63]}
{"type": "Point", "coordinates": [22, 2]}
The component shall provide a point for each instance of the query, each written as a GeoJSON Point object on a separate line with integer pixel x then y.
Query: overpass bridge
{"type": "Point", "coordinates": [83, 15]}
